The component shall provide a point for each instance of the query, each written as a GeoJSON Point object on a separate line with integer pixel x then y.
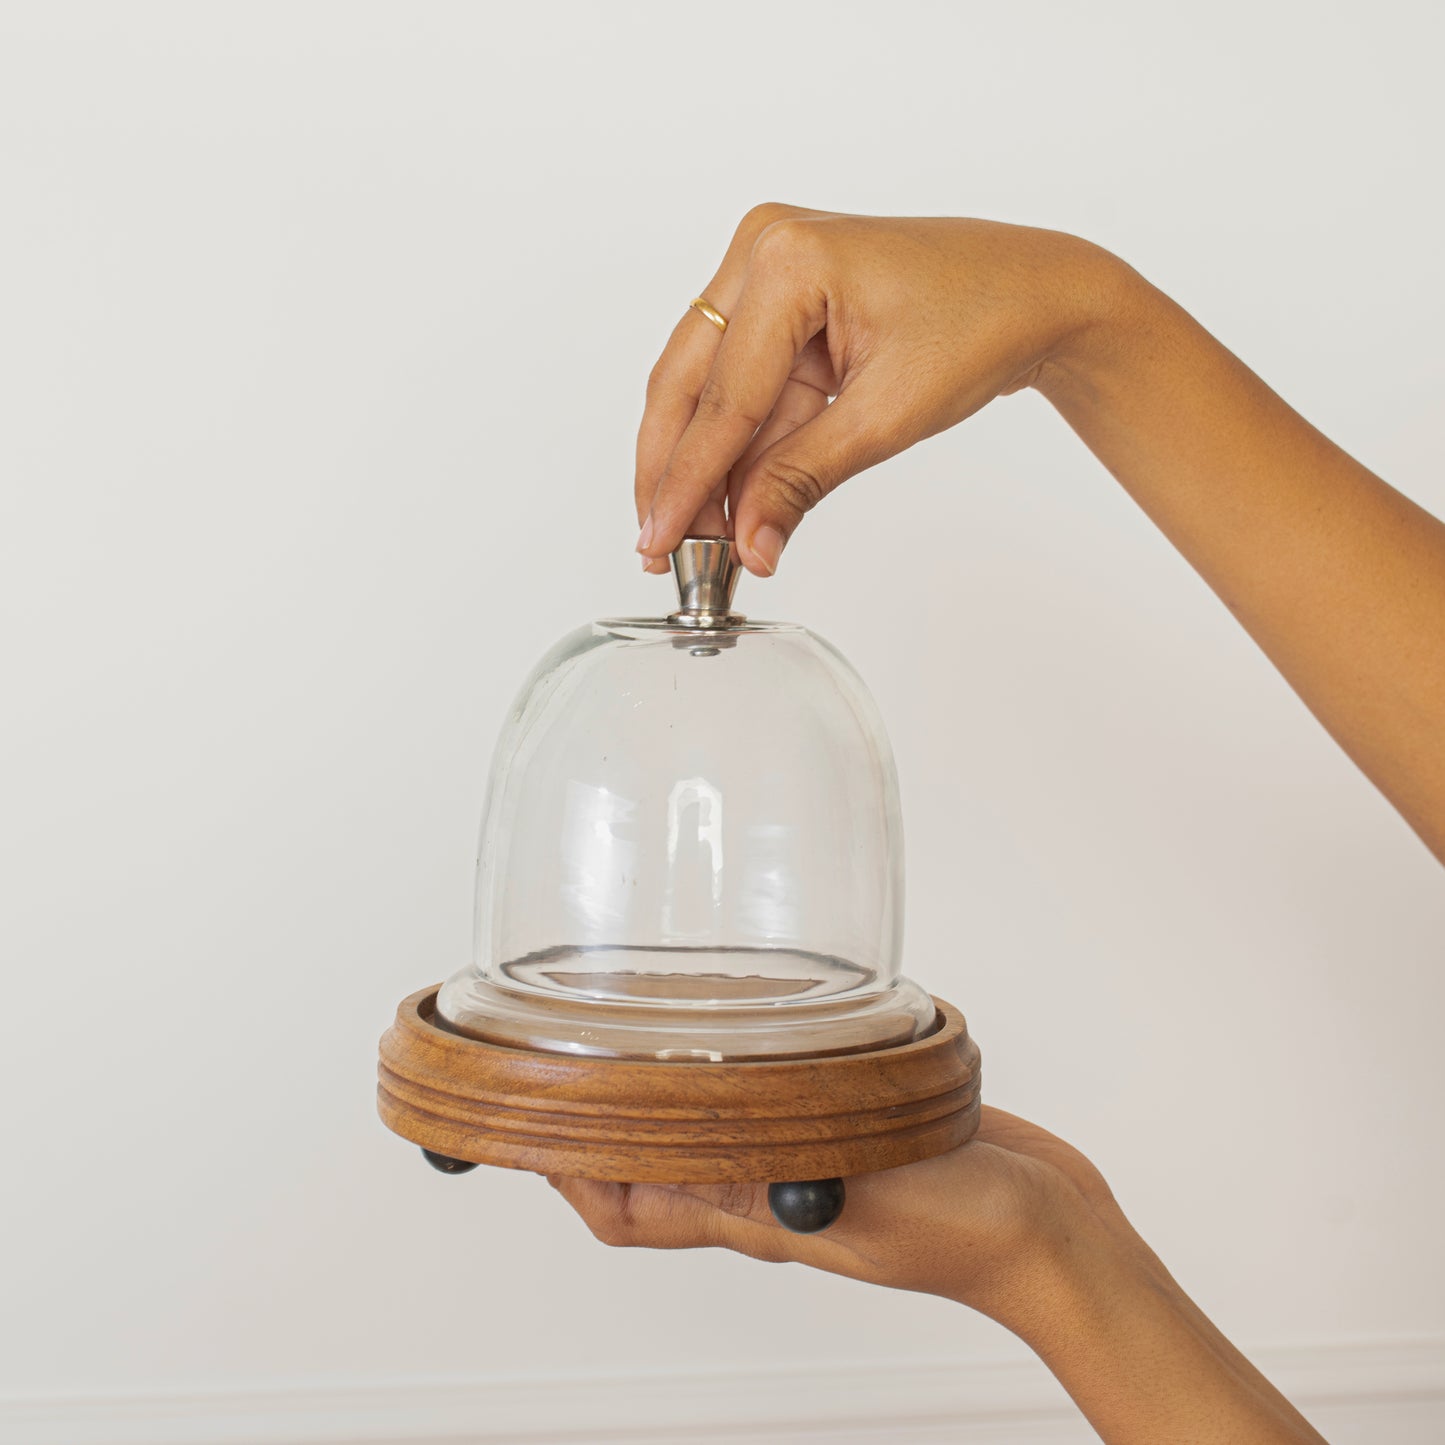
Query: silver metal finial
{"type": "Point", "coordinates": [706, 571]}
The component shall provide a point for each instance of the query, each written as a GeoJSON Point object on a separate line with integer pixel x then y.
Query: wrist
{"type": "Point", "coordinates": [1100, 1274]}
{"type": "Point", "coordinates": [1141, 1360]}
{"type": "Point", "coordinates": [1113, 308]}
{"type": "Point", "coordinates": [1085, 1267]}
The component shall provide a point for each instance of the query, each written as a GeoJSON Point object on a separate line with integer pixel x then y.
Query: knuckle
{"type": "Point", "coordinates": [738, 1199]}
{"type": "Point", "coordinates": [616, 1226]}
{"type": "Point", "coordinates": [795, 486]}
{"type": "Point", "coordinates": [716, 403]}
{"type": "Point", "coordinates": [784, 241]}
{"type": "Point", "coordinates": [621, 1230]}
{"type": "Point", "coordinates": [666, 380]}
{"type": "Point", "coordinates": [713, 401]}
{"type": "Point", "coordinates": [761, 216]}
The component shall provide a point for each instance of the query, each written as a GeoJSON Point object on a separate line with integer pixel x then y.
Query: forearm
{"type": "Point", "coordinates": [1339, 578]}
{"type": "Point", "coordinates": [1141, 1360]}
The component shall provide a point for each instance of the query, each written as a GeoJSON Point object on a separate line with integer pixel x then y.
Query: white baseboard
{"type": "Point", "coordinates": [1376, 1393]}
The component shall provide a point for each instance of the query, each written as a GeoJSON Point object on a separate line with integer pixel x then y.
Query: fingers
{"type": "Point", "coordinates": [790, 477]}
{"type": "Point", "coordinates": [775, 316]}
{"type": "Point", "coordinates": [740, 1201]}
{"type": "Point", "coordinates": [711, 520]}
{"type": "Point", "coordinates": [711, 390]}
{"type": "Point", "coordinates": [797, 405]}
{"type": "Point", "coordinates": [681, 372]}
{"type": "Point", "coordinates": [673, 390]}
{"type": "Point", "coordinates": [678, 377]}
{"type": "Point", "coordinates": [660, 1216]}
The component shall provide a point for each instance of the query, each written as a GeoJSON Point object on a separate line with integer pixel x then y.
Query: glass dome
{"type": "Point", "coordinates": [691, 846]}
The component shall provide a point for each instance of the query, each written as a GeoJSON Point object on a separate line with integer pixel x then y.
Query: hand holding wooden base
{"type": "Point", "coordinates": [467, 1102]}
{"type": "Point", "coordinates": [804, 1207]}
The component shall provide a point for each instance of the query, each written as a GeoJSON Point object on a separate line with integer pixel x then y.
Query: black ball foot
{"type": "Point", "coordinates": [808, 1205]}
{"type": "Point", "coordinates": [447, 1164]}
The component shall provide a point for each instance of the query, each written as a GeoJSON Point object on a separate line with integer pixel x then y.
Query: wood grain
{"type": "Point", "coordinates": [649, 1121]}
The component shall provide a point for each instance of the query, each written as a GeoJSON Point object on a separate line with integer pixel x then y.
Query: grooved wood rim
{"type": "Point", "coordinates": [650, 1121]}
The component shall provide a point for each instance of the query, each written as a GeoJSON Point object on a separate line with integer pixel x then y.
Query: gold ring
{"type": "Point", "coordinates": [702, 304]}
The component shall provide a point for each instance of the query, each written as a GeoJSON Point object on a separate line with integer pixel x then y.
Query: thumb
{"type": "Point", "coordinates": [792, 476]}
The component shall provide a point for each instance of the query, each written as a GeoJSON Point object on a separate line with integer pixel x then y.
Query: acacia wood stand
{"type": "Point", "coordinates": [651, 1121]}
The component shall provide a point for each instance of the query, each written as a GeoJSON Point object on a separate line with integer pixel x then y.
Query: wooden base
{"type": "Point", "coordinates": [646, 1121]}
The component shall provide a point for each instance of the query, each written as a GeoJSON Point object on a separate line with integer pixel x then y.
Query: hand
{"type": "Point", "coordinates": [915, 324]}
{"type": "Point", "coordinates": [1023, 1228]}
{"type": "Point", "coordinates": [993, 1224]}
{"type": "Point", "coordinates": [912, 324]}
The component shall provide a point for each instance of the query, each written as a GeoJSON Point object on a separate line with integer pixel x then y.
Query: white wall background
{"type": "Point", "coordinates": [323, 330]}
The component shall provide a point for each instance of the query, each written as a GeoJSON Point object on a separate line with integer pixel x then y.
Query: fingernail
{"type": "Point", "coordinates": [767, 546]}
{"type": "Point", "coordinates": [644, 540]}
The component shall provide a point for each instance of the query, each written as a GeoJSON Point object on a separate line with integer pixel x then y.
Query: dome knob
{"type": "Point", "coordinates": [706, 572]}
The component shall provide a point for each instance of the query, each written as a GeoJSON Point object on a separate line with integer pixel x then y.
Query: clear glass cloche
{"type": "Point", "coordinates": [691, 847]}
